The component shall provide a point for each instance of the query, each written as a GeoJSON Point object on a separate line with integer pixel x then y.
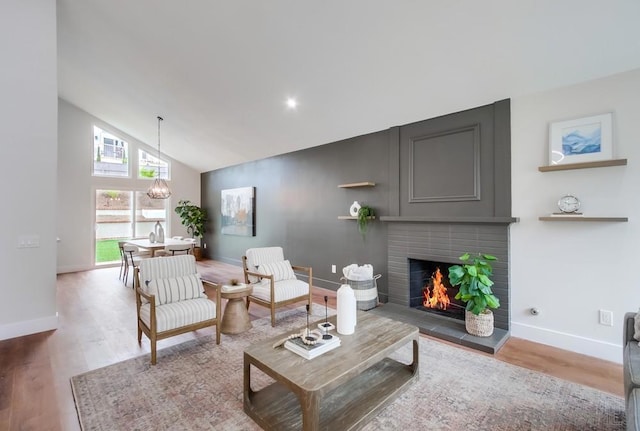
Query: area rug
{"type": "Point", "coordinates": [197, 385]}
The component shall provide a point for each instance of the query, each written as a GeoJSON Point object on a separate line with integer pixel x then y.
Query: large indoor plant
{"type": "Point", "coordinates": [475, 290]}
{"type": "Point", "coordinates": [194, 218]}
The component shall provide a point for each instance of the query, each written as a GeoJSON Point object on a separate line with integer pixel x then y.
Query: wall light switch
{"type": "Point", "coordinates": [333, 269]}
{"type": "Point", "coordinates": [29, 241]}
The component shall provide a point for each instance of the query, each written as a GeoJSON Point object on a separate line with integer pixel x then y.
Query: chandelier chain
{"type": "Point", "coordinates": [159, 188]}
{"type": "Point", "coordinates": [159, 120]}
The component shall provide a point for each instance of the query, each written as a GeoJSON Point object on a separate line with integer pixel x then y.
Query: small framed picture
{"type": "Point", "coordinates": [586, 139]}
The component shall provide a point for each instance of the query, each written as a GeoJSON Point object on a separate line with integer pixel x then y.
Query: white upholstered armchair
{"type": "Point", "coordinates": [273, 279]}
{"type": "Point", "coordinates": [170, 299]}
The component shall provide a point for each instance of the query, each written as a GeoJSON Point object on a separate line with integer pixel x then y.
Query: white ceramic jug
{"type": "Point", "coordinates": [346, 318]}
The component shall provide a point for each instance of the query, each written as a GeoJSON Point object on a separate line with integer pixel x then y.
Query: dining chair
{"type": "Point", "coordinates": [132, 260]}
{"type": "Point", "coordinates": [123, 259]}
{"type": "Point", "coordinates": [175, 249]}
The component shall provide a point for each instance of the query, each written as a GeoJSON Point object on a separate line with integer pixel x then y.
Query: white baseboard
{"type": "Point", "coordinates": [28, 327]}
{"type": "Point", "coordinates": [574, 343]}
{"type": "Point", "coordinates": [72, 268]}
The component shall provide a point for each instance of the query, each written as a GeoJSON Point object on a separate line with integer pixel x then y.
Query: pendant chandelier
{"type": "Point", "coordinates": [159, 189]}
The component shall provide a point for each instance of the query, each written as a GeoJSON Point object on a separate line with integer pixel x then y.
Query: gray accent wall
{"type": "Point", "coordinates": [455, 166]}
{"type": "Point", "coordinates": [298, 203]}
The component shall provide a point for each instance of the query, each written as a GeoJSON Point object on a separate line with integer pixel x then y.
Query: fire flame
{"type": "Point", "coordinates": [435, 294]}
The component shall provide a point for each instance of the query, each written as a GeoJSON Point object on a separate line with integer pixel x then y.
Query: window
{"type": "Point", "coordinates": [109, 155]}
{"type": "Point", "coordinates": [149, 165]}
{"type": "Point", "coordinates": [148, 212]}
{"type": "Point", "coordinates": [124, 214]}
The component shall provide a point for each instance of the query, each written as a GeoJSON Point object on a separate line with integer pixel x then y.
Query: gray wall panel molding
{"type": "Point", "coordinates": [394, 171]}
{"type": "Point", "coordinates": [445, 166]}
{"type": "Point", "coordinates": [492, 173]}
{"type": "Point", "coordinates": [502, 157]}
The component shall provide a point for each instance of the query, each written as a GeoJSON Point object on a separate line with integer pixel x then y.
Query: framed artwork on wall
{"type": "Point", "coordinates": [238, 207]}
{"type": "Point", "coordinates": [586, 139]}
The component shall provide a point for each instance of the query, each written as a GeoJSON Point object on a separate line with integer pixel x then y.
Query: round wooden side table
{"type": "Point", "coordinates": [236, 316]}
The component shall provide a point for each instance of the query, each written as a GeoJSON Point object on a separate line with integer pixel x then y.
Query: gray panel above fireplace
{"type": "Point", "coordinates": [453, 158]}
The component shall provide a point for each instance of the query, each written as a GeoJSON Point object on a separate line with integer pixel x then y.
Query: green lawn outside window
{"type": "Point", "coordinates": [107, 251]}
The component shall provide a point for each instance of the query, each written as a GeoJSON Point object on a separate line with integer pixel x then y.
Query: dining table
{"type": "Point", "coordinates": [153, 246]}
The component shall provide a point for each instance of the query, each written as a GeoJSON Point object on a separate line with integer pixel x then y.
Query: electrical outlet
{"type": "Point", "coordinates": [606, 317]}
{"type": "Point", "coordinates": [205, 245]}
{"type": "Point", "coordinates": [333, 269]}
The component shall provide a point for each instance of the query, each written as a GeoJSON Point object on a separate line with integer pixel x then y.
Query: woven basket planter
{"type": "Point", "coordinates": [366, 292]}
{"type": "Point", "coordinates": [480, 325]}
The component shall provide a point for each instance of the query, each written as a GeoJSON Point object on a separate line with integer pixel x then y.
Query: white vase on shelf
{"type": "Point", "coordinates": [353, 210]}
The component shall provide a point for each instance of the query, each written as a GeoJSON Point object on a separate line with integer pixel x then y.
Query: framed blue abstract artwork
{"type": "Point", "coordinates": [586, 139]}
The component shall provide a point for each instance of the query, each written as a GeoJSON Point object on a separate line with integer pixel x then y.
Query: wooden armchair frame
{"type": "Point", "coordinates": [151, 331]}
{"type": "Point", "coordinates": [272, 304]}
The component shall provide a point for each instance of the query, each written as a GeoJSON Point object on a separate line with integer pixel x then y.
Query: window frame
{"type": "Point", "coordinates": [126, 151]}
{"type": "Point", "coordinates": [140, 166]}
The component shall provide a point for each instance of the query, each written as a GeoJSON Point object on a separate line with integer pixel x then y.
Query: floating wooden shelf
{"type": "Point", "coordinates": [585, 165]}
{"type": "Point", "coordinates": [354, 218]}
{"type": "Point", "coordinates": [362, 184]}
{"type": "Point", "coordinates": [581, 218]}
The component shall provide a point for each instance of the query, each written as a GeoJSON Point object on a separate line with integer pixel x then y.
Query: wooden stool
{"type": "Point", "coordinates": [236, 316]}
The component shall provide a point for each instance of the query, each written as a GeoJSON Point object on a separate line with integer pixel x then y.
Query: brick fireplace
{"type": "Point", "coordinates": [442, 241]}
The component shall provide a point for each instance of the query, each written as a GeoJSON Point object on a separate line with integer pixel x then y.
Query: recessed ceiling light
{"type": "Point", "coordinates": [292, 103]}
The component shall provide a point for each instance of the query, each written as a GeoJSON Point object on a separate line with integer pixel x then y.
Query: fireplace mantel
{"type": "Point", "coordinates": [466, 220]}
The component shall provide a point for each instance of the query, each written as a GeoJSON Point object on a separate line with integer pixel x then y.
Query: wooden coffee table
{"type": "Point", "coordinates": [339, 390]}
{"type": "Point", "coordinates": [235, 318]}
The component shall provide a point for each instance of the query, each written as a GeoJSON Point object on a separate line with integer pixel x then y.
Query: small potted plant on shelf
{"type": "Point", "coordinates": [194, 218]}
{"type": "Point", "coordinates": [365, 214]}
{"type": "Point", "coordinates": [475, 290]}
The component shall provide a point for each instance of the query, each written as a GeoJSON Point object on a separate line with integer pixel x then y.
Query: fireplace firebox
{"type": "Point", "coordinates": [430, 290]}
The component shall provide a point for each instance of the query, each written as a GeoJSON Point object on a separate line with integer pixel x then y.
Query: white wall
{"type": "Point", "coordinates": [570, 270]}
{"type": "Point", "coordinates": [28, 105]}
{"type": "Point", "coordinates": [76, 185]}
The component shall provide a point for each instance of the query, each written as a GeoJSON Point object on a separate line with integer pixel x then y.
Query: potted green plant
{"type": "Point", "coordinates": [194, 218]}
{"type": "Point", "coordinates": [475, 290]}
{"type": "Point", "coordinates": [365, 214]}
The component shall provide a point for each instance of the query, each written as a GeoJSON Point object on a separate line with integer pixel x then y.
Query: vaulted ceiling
{"type": "Point", "coordinates": [220, 71]}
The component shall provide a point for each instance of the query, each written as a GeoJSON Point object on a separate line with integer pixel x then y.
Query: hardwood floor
{"type": "Point", "coordinates": [97, 327]}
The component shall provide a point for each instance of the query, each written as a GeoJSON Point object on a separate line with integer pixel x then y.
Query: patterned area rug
{"type": "Point", "coordinates": [197, 385]}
